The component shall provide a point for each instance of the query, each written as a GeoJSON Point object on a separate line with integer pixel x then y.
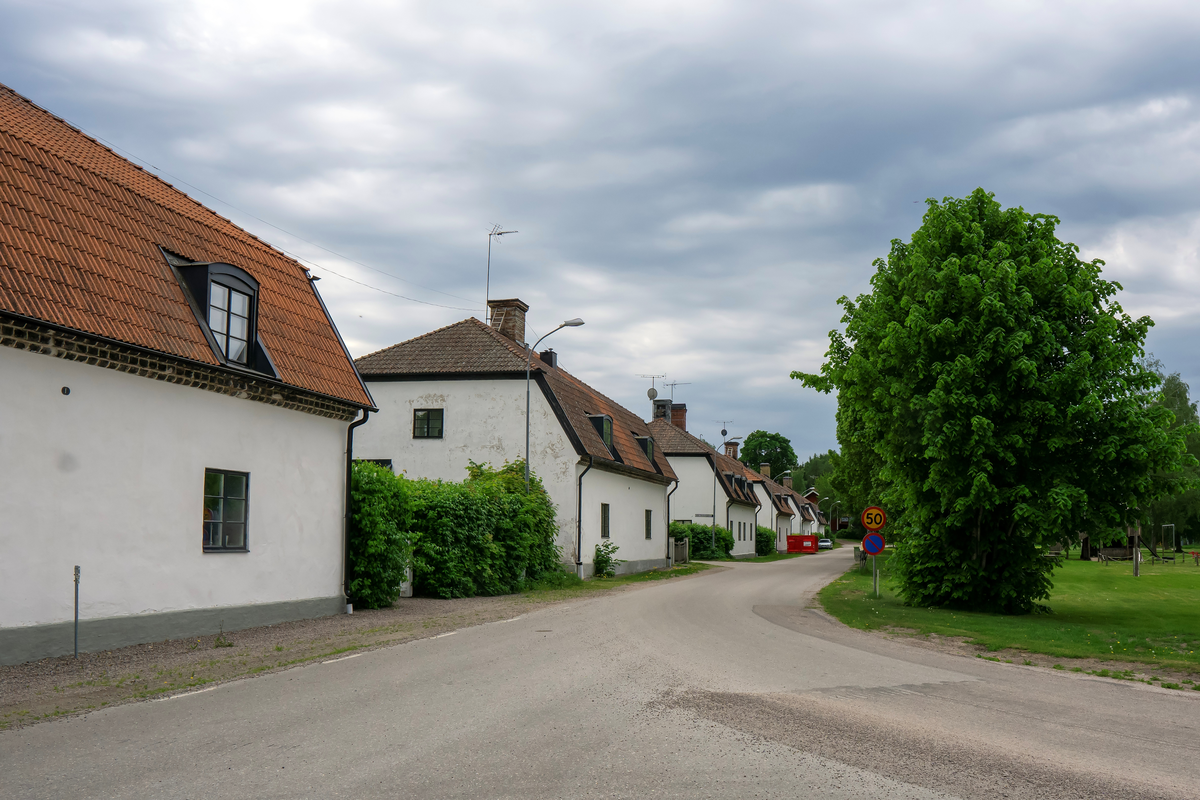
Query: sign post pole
{"type": "Point", "coordinates": [873, 519]}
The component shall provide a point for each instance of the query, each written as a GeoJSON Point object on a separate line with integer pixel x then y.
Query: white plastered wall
{"type": "Point", "coordinates": [484, 421]}
{"type": "Point", "coordinates": [628, 500]}
{"type": "Point", "coordinates": [743, 545]}
{"type": "Point", "coordinates": [696, 492]}
{"type": "Point", "coordinates": [111, 477]}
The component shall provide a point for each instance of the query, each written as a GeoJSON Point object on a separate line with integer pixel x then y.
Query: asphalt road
{"type": "Point", "coordinates": [722, 685]}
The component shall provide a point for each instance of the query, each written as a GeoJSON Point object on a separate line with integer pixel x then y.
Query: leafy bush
{"type": "Point", "coordinates": [556, 579]}
{"type": "Point", "coordinates": [700, 540]}
{"type": "Point", "coordinates": [605, 561]}
{"type": "Point", "coordinates": [484, 536]}
{"type": "Point", "coordinates": [764, 542]}
{"type": "Point", "coordinates": [380, 544]}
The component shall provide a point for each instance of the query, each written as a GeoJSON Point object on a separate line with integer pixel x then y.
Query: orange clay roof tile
{"type": "Point", "coordinates": [80, 231]}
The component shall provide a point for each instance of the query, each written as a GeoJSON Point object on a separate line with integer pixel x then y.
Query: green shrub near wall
{"type": "Point", "coordinates": [700, 540]}
{"type": "Point", "coordinates": [380, 542]}
{"type": "Point", "coordinates": [764, 542]}
{"type": "Point", "coordinates": [483, 536]}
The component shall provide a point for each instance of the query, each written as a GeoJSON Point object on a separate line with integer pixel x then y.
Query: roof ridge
{"type": "Point", "coordinates": [415, 338]}
{"type": "Point", "coordinates": [68, 157]}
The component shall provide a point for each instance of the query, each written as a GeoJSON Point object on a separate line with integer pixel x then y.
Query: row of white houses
{"type": "Point", "coordinates": [179, 415]}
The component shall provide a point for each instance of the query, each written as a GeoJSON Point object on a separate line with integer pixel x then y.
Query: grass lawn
{"type": "Point", "coordinates": [1098, 611]}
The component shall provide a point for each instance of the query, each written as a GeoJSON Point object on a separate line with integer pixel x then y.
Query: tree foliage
{"type": "Point", "coordinates": [380, 542]}
{"type": "Point", "coordinates": [775, 449]}
{"type": "Point", "coordinates": [701, 539]}
{"type": "Point", "coordinates": [764, 542]}
{"type": "Point", "coordinates": [1183, 509]}
{"type": "Point", "coordinates": [991, 396]}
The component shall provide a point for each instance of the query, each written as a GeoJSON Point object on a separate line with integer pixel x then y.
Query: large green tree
{"type": "Point", "coordinates": [775, 449]}
{"type": "Point", "coordinates": [994, 389]}
{"type": "Point", "coordinates": [1183, 509]}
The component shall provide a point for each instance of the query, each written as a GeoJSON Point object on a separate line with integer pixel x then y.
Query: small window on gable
{"type": "Point", "coordinates": [427, 423]}
{"type": "Point", "coordinates": [603, 425]}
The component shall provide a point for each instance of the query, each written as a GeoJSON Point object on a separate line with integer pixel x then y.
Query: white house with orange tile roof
{"type": "Point", "coordinates": [175, 411]}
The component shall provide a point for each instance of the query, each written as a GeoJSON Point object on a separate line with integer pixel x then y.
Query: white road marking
{"type": "Point", "coordinates": [440, 635]}
{"type": "Point", "coordinates": [343, 658]}
{"type": "Point", "coordinates": [185, 694]}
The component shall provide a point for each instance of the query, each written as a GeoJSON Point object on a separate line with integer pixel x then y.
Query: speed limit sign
{"type": "Point", "coordinates": [873, 518]}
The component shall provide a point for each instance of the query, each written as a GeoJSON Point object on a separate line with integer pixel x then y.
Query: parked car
{"type": "Point", "coordinates": [825, 544]}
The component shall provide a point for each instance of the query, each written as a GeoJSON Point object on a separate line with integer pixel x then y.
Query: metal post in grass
{"type": "Point", "coordinates": [77, 611]}
{"type": "Point", "coordinates": [875, 575]}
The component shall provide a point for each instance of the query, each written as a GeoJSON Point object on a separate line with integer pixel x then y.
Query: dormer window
{"type": "Point", "coordinates": [225, 301]}
{"type": "Point", "coordinates": [603, 424]}
{"type": "Point", "coordinates": [647, 445]}
{"type": "Point", "coordinates": [229, 321]}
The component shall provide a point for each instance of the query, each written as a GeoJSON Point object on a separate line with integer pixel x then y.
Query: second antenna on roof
{"type": "Point", "coordinates": [487, 290]}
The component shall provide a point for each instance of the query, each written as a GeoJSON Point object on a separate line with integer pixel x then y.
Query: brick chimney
{"type": "Point", "coordinates": [679, 415]}
{"type": "Point", "coordinates": [786, 480]}
{"type": "Point", "coordinates": [731, 449]}
{"type": "Point", "coordinates": [508, 317]}
{"type": "Point", "coordinates": [764, 469]}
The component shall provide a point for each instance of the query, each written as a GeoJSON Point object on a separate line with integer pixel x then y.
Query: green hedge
{"type": "Point", "coordinates": [700, 539]}
{"type": "Point", "coordinates": [764, 542]}
{"type": "Point", "coordinates": [483, 536]}
{"type": "Point", "coordinates": [380, 542]}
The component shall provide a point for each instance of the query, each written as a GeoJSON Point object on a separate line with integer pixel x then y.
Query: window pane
{"type": "Point", "coordinates": [222, 345]}
{"type": "Point", "coordinates": [237, 350]}
{"type": "Point", "coordinates": [435, 423]}
{"type": "Point", "coordinates": [608, 432]}
{"type": "Point", "coordinates": [420, 423]}
{"type": "Point", "coordinates": [239, 328]}
{"type": "Point", "coordinates": [216, 320]}
{"type": "Point", "coordinates": [218, 296]}
{"type": "Point", "coordinates": [213, 484]}
{"type": "Point", "coordinates": [239, 303]}
{"type": "Point", "coordinates": [235, 534]}
{"type": "Point", "coordinates": [235, 485]}
{"type": "Point", "coordinates": [235, 510]}
{"type": "Point", "coordinates": [212, 534]}
{"type": "Point", "coordinates": [212, 509]}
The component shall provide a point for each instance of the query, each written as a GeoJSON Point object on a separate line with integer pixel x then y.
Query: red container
{"type": "Point", "coordinates": [802, 544]}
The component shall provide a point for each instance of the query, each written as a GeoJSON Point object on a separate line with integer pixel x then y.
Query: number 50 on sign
{"type": "Point", "coordinates": [873, 518]}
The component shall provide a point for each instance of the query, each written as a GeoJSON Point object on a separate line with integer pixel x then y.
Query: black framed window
{"type": "Point", "coordinates": [604, 516]}
{"type": "Point", "coordinates": [427, 423]}
{"type": "Point", "coordinates": [229, 320]}
{"type": "Point", "coordinates": [226, 510]}
{"type": "Point", "coordinates": [603, 425]}
{"type": "Point", "coordinates": [649, 524]}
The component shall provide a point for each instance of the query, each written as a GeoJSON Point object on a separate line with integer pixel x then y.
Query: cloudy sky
{"type": "Point", "coordinates": [700, 181]}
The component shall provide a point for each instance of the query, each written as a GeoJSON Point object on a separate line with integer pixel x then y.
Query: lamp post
{"type": "Point", "coordinates": [571, 323]}
{"type": "Point", "coordinates": [833, 525]}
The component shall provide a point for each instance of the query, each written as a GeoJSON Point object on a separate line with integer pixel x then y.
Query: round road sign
{"type": "Point", "coordinates": [873, 518]}
{"type": "Point", "coordinates": [873, 544]}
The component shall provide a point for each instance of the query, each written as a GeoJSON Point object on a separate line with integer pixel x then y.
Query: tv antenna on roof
{"type": "Point", "coordinates": [724, 432]}
{"type": "Point", "coordinates": [652, 393]}
{"type": "Point", "coordinates": [673, 384]}
{"type": "Point", "coordinates": [495, 232]}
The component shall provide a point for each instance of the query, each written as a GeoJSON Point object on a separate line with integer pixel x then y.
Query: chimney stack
{"type": "Point", "coordinates": [508, 317]}
{"type": "Point", "coordinates": [549, 357]}
{"type": "Point", "coordinates": [679, 415]}
{"type": "Point", "coordinates": [662, 409]}
{"type": "Point", "coordinates": [786, 480]}
{"type": "Point", "coordinates": [731, 449]}
{"type": "Point", "coordinates": [764, 469]}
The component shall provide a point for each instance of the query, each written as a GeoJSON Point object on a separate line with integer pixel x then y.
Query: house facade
{"type": "Point", "coordinates": [712, 485]}
{"type": "Point", "coordinates": [175, 409]}
{"type": "Point", "coordinates": [458, 394]}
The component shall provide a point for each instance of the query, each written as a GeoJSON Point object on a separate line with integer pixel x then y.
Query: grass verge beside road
{"type": "Point", "coordinates": [1097, 612]}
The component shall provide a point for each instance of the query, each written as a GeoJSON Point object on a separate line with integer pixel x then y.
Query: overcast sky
{"type": "Point", "coordinates": [700, 181]}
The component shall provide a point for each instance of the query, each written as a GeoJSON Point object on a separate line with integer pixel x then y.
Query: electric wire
{"type": "Point", "coordinates": [160, 171]}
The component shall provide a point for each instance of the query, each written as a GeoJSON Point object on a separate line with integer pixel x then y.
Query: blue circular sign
{"type": "Point", "coordinates": [873, 544]}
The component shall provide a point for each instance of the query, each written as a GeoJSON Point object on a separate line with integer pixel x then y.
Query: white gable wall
{"type": "Point", "coordinates": [628, 500]}
{"type": "Point", "coordinates": [743, 542]}
{"type": "Point", "coordinates": [697, 491]}
{"type": "Point", "coordinates": [111, 477]}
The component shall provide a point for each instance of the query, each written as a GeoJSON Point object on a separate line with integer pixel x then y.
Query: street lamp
{"type": "Point", "coordinates": [571, 323]}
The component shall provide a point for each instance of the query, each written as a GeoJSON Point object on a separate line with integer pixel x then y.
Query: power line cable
{"type": "Point", "coordinates": [160, 171]}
